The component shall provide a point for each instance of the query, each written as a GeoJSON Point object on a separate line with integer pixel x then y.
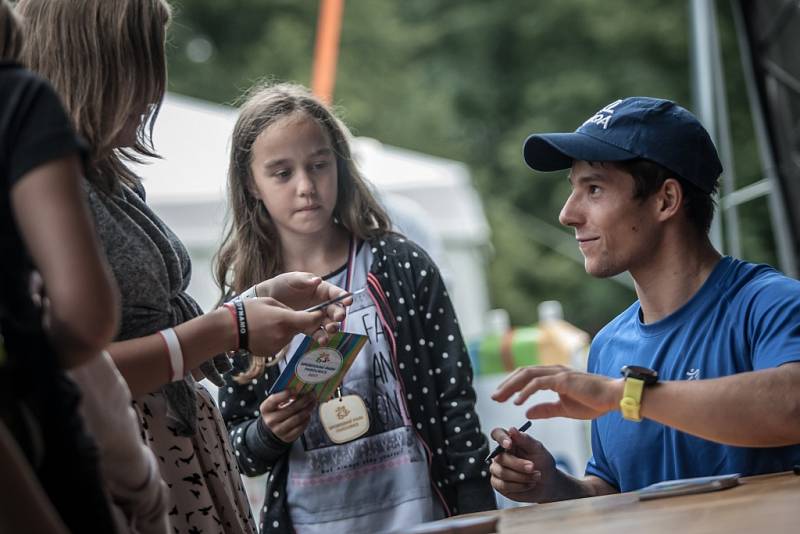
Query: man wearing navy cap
{"type": "Point", "coordinates": [701, 375]}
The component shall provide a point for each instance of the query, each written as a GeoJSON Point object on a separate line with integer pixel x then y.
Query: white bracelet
{"type": "Point", "coordinates": [175, 353]}
{"type": "Point", "coordinates": [249, 293]}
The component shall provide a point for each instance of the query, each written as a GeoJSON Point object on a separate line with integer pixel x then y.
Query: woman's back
{"type": "Point", "coordinates": [37, 402]}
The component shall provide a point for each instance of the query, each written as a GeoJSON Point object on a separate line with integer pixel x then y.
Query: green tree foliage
{"type": "Point", "coordinates": [469, 80]}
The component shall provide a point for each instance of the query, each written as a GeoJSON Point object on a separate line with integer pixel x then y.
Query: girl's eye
{"type": "Point", "coordinates": [320, 165]}
{"type": "Point", "coordinates": [283, 173]}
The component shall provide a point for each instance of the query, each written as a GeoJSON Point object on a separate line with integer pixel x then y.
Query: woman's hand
{"type": "Point", "coordinates": [287, 416]}
{"type": "Point", "coordinates": [271, 325]}
{"type": "Point", "coordinates": [303, 290]}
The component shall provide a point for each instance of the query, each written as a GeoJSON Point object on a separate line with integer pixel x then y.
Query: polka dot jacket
{"type": "Point", "coordinates": [436, 377]}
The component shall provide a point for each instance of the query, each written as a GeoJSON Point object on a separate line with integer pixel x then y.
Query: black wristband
{"type": "Point", "coordinates": [241, 319]}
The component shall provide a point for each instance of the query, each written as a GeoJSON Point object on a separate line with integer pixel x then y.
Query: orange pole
{"type": "Point", "coordinates": [326, 51]}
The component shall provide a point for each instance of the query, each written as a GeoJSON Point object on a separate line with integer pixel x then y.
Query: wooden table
{"type": "Point", "coordinates": [762, 505]}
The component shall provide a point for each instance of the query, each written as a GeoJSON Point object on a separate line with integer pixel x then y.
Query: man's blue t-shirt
{"type": "Point", "coordinates": [745, 317]}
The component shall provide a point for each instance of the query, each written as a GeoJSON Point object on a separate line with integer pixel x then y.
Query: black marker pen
{"type": "Point", "coordinates": [499, 449]}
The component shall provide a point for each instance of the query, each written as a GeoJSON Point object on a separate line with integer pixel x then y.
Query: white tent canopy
{"type": "Point", "coordinates": [431, 199]}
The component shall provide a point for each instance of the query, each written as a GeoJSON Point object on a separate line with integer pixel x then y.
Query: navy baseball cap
{"type": "Point", "coordinates": [636, 127]}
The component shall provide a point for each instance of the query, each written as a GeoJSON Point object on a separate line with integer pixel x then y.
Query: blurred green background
{"type": "Point", "coordinates": [469, 80]}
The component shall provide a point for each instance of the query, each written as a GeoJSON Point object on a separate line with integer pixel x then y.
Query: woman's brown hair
{"type": "Point", "coordinates": [10, 33]}
{"type": "Point", "coordinates": [250, 251]}
{"type": "Point", "coordinates": [106, 59]}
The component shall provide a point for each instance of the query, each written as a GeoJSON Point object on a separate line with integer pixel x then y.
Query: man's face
{"type": "Point", "coordinates": [615, 231]}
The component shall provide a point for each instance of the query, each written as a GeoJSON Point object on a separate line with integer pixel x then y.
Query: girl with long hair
{"type": "Point", "coordinates": [297, 201]}
{"type": "Point", "coordinates": [107, 60]}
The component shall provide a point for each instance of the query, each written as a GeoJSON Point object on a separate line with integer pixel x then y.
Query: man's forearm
{"type": "Point", "coordinates": [567, 487]}
{"type": "Point", "coordinates": [755, 409]}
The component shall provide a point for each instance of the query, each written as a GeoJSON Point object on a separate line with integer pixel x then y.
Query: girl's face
{"type": "Point", "coordinates": [295, 176]}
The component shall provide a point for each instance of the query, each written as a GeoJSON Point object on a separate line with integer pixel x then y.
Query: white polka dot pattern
{"type": "Point", "coordinates": [434, 371]}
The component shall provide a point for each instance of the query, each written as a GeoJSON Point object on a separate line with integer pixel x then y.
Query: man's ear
{"type": "Point", "coordinates": [669, 199]}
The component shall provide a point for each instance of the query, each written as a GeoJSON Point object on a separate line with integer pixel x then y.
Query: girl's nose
{"type": "Point", "coordinates": [305, 184]}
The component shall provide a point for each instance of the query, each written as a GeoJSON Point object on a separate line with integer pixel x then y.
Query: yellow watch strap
{"type": "Point", "coordinates": [632, 399]}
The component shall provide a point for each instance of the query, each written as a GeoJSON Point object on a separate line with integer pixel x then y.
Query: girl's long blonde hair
{"type": "Point", "coordinates": [250, 251]}
{"type": "Point", "coordinates": [106, 59]}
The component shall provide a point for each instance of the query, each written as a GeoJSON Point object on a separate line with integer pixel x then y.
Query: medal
{"type": "Point", "coordinates": [345, 418]}
{"type": "Point", "coordinates": [318, 365]}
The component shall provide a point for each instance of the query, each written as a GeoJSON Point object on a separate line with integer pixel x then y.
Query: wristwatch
{"type": "Point", "coordinates": [636, 378]}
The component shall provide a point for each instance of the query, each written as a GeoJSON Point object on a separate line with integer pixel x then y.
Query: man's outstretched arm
{"type": "Point", "coordinates": [753, 409]}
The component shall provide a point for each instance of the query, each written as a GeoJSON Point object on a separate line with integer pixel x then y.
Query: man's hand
{"type": "Point", "coordinates": [580, 395]}
{"type": "Point", "coordinates": [526, 471]}
{"type": "Point", "coordinates": [303, 290]}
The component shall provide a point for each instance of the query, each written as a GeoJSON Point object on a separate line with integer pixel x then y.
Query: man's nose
{"type": "Point", "coordinates": [569, 212]}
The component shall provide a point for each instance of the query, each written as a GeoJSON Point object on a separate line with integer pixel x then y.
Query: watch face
{"type": "Point", "coordinates": [649, 376]}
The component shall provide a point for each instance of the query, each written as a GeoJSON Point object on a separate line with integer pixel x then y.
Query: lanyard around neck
{"type": "Point", "coordinates": [349, 273]}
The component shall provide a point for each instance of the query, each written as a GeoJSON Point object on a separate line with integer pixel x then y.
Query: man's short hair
{"type": "Point", "coordinates": [648, 177]}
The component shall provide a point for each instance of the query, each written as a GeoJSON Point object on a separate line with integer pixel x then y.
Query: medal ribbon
{"type": "Point", "coordinates": [348, 283]}
{"type": "Point", "coordinates": [349, 273]}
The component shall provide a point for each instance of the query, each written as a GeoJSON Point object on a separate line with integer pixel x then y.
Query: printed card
{"type": "Point", "coordinates": [319, 369]}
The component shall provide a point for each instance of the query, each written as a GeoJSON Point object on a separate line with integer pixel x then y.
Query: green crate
{"type": "Point", "coordinates": [521, 343]}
